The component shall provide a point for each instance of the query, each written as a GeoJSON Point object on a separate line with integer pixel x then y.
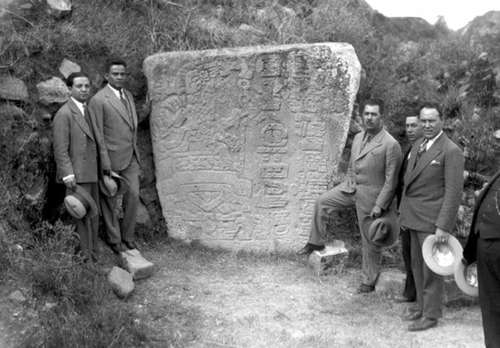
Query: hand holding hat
{"type": "Point", "coordinates": [384, 230]}
{"type": "Point", "coordinates": [112, 184]}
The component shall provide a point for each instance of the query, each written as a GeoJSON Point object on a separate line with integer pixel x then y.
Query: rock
{"type": "Point", "coordinates": [247, 35]}
{"type": "Point", "coordinates": [67, 67]}
{"type": "Point", "coordinates": [245, 139]}
{"type": "Point", "coordinates": [331, 258]}
{"type": "Point", "coordinates": [136, 264]}
{"type": "Point", "coordinates": [143, 217]}
{"type": "Point", "coordinates": [59, 8]}
{"type": "Point", "coordinates": [48, 306]}
{"type": "Point", "coordinates": [391, 282]}
{"type": "Point", "coordinates": [12, 88]}
{"type": "Point", "coordinates": [52, 91]}
{"type": "Point", "coordinates": [17, 296]}
{"type": "Point", "coordinates": [121, 282]}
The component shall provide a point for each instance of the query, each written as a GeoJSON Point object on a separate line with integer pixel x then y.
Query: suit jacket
{"type": "Point", "coordinates": [375, 170]}
{"type": "Point", "coordinates": [75, 144]}
{"type": "Point", "coordinates": [401, 175]}
{"type": "Point", "coordinates": [487, 232]}
{"type": "Point", "coordinates": [117, 126]}
{"type": "Point", "coordinates": [433, 187]}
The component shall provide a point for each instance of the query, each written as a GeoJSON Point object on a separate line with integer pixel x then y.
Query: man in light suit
{"type": "Point", "coordinates": [114, 110]}
{"type": "Point", "coordinates": [370, 187]}
{"type": "Point", "coordinates": [432, 191]}
{"type": "Point", "coordinates": [76, 147]}
{"type": "Point", "coordinates": [413, 133]}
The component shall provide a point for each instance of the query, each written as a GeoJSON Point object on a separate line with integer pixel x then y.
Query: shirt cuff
{"type": "Point", "coordinates": [68, 177]}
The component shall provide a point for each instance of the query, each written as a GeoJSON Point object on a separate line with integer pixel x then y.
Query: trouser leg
{"type": "Point", "coordinates": [87, 228]}
{"type": "Point", "coordinates": [488, 269]}
{"type": "Point", "coordinates": [130, 201]}
{"type": "Point", "coordinates": [409, 289]}
{"type": "Point", "coordinates": [325, 205]}
{"type": "Point", "coordinates": [432, 285]}
{"type": "Point", "coordinates": [371, 254]}
{"type": "Point", "coordinates": [417, 267]}
{"type": "Point", "coordinates": [110, 219]}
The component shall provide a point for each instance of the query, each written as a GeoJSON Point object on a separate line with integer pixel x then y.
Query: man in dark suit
{"type": "Point", "coordinates": [370, 187]}
{"type": "Point", "coordinates": [483, 245]}
{"type": "Point", "coordinates": [76, 149]}
{"type": "Point", "coordinates": [432, 191]}
{"type": "Point", "coordinates": [114, 110]}
{"type": "Point", "coordinates": [413, 133]}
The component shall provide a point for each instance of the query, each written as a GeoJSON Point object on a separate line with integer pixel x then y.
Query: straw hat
{"type": "Point", "coordinates": [466, 278]}
{"type": "Point", "coordinates": [441, 258]}
{"type": "Point", "coordinates": [79, 203]}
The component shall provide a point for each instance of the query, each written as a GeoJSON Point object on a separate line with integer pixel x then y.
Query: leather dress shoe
{"type": "Point", "coordinates": [130, 245]}
{"type": "Point", "coordinates": [412, 315]}
{"type": "Point", "coordinates": [309, 248]}
{"type": "Point", "coordinates": [422, 324]}
{"type": "Point", "coordinates": [365, 288]}
{"type": "Point", "coordinates": [402, 299]}
{"type": "Point", "coordinates": [117, 247]}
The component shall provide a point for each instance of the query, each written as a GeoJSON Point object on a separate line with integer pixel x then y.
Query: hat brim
{"type": "Point", "coordinates": [121, 182]}
{"type": "Point", "coordinates": [429, 255]}
{"type": "Point", "coordinates": [86, 199]}
{"type": "Point", "coordinates": [391, 223]}
{"type": "Point", "coordinates": [461, 279]}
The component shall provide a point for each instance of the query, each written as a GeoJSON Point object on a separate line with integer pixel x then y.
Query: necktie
{"type": "Point", "coordinates": [123, 99]}
{"type": "Point", "coordinates": [421, 149]}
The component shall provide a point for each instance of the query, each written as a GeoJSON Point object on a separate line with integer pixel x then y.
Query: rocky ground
{"type": "Point", "coordinates": [203, 298]}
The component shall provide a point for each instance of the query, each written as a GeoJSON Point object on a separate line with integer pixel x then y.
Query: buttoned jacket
{"type": "Point", "coordinates": [117, 124]}
{"type": "Point", "coordinates": [375, 170]}
{"type": "Point", "coordinates": [75, 144]}
{"type": "Point", "coordinates": [432, 187]}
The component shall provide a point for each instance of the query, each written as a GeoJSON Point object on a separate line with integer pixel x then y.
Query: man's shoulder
{"type": "Point", "coordinates": [100, 95]}
{"type": "Point", "coordinates": [64, 111]}
{"type": "Point", "coordinates": [450, 146]}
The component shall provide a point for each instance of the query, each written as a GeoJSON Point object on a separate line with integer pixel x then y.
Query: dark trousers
{"type": "Point", "coordinates": [126, 231]}
{"type": "Point", "coordinates": [429, 285]}
{"type": "Point", "coordinates": [409, 290]}
{"type": "Point", "coordinates": [87, 228]}
{"type": "Point", "coordinates": [488, 269]}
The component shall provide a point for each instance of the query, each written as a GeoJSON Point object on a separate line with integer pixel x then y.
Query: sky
{"type": "Point", "coordinates": [457, 13]}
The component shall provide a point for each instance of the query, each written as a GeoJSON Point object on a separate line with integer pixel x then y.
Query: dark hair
{"type": "Point", "coordinates": [431, 105]}
{"type": "Point", "coordinates": [373, 102]}
{"type": "Point", "coordinates": [113, 61]}
{"type": "Point", "coordinates": [71, 78]}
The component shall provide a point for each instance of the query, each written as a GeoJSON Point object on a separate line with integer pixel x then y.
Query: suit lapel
{"type": "Point", "coordinates": [425, 159]}
{"type": "Point", "coordinates": [116, 103]}
{"type": "Point", "coordinates": [375, 142]}
{"type": "Point", "coordinates": [80, 119]}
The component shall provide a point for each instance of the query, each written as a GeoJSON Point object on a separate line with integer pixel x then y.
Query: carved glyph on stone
{"type": "Point", "coordinates": [246, 139]}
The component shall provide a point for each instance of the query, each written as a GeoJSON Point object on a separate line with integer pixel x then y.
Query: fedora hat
{"type": "Point", "coordinates": [466, 278]}
{"type": "Point", "coordinates": [113, 185]}
{"type": "Point", "coordinates": [441, 257]}
{"type": "Point", "coordinates": [79, 203]}
{"type": "Point", "coordinates": [383, 231]}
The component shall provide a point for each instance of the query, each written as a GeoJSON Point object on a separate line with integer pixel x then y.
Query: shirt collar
{"type": "Point", "coordinates": [117, 92]}
{"type": "Point", "coordinates": [432, 140]}
{"type": "Point", "coordinates": [79, 105]}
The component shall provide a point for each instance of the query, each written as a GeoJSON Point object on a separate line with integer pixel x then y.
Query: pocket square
{"type": "Point", "coordinates": [435, 163]}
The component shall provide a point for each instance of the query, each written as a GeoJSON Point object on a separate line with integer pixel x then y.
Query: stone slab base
{"type": "Point", "coordinates": [329, 260]}
{"type": "Point", "coordinates": [136, 264]}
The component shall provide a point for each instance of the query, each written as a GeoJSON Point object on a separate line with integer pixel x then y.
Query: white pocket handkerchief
{"type": "Point", "coordinates": [435, 163]}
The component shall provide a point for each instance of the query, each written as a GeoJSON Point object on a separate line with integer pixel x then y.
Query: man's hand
{"type": "Point", "coordinates": [441, 235]}
{"type": "Point", "coordinates": [376, 212]}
